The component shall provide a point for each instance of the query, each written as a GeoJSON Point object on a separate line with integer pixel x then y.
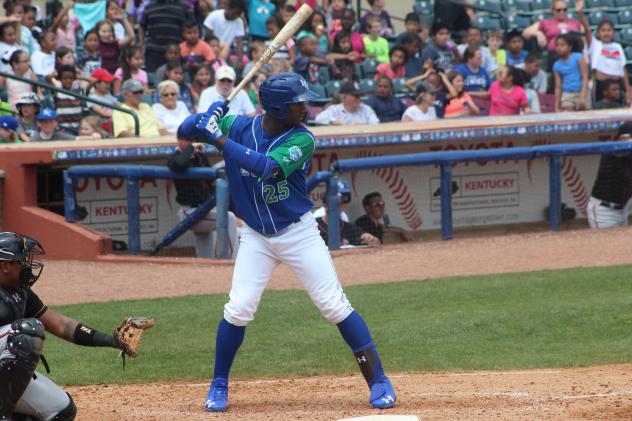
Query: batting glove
{"type": "Point", "coordinates": [209, 121]}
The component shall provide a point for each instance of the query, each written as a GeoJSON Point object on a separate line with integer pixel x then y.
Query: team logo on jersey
{"type": "Point", "coordinates": [295, 153]}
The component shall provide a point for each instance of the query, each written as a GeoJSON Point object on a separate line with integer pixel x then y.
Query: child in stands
{"type": "Point", "coordinates": [132, 61]}
{"type": "Point", "coordinates": [570, 72]}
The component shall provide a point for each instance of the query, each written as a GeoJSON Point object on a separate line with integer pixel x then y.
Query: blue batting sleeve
{"type": "Point", "coordinates": [250, 160]}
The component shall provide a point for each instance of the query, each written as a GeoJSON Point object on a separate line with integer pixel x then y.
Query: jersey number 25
{"type": "Point", "coordinates": [276, 193]}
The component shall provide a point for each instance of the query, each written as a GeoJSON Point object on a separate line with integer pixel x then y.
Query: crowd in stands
{"type": "Point", "coordinates": [165, 59]}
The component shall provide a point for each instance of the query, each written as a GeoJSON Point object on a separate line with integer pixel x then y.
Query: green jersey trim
{"type": "Point", "coordinates": [226, 123]}
{"type": "Point", "coordinates": [294, 153]}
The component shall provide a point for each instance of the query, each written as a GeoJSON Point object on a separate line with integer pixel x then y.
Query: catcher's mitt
{"type": "Point", "coordinates": [128, 335]}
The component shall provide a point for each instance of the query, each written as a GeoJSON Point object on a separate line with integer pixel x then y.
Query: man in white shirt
{"type": "Point", "coordinates": [226, 24]}
{"type": "Point", "coordinates": [350, 111]}
{"type": "Point", "coordinates": [474, 39]}
{"type": "Point", "coordinates": [224, 84]}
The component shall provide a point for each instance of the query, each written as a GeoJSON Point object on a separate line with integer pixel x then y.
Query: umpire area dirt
{"type": "Point", "coordinates": [584, 393]}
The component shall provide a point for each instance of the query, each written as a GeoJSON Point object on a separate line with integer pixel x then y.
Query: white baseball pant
{"type": "Point", "coordinates": [600, 216]}
{"type": "Point", "coordinates": [204, 233]}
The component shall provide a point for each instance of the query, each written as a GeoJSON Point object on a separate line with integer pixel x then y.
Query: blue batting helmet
{"type": "Point", "coordinates": [282, 89]}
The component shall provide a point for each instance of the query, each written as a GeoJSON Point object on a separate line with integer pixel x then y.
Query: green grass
{"type": "Point", "coordinates": [564, 318]}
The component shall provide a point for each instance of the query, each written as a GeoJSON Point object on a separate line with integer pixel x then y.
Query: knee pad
{"type": "Point", "coordinates": [26, 340]}
{"type": "Point", "coordinates": [68, 413]}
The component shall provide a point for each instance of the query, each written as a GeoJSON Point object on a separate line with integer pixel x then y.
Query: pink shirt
{"type": "Point", "coordinates": [357, 43]}
{"type": "Point", "coordinates": [385, 69]}
{"type": "Point", "coordinates": [506, 103]}
{"type": "Point", "coordinates": [140, 76]}
{"type": "Point", "coordinates": [551, 28]}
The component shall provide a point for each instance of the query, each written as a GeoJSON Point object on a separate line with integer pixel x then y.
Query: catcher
{"type": "Point", "coordinates": [24, 319]}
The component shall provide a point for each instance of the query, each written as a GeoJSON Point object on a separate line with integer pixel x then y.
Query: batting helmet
{"type": "Point", "coordinates": [282, 89]}
{"type": "Point", "coordinates": [21, 248]}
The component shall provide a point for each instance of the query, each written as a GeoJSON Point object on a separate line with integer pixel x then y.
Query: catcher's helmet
{"type": "Point", "coordinates": [282, 89]}
{"type": "Point", "coordinates": [22, 248]}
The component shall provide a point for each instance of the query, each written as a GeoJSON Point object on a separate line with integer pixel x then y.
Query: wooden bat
{"type": "Point", "coordinates": [291, 27]}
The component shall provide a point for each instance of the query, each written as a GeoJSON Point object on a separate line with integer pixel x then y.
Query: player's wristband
{"type": "Point", "coordinates": [250, 160]}
{"type": "Point", "coordinates": [87, 336]}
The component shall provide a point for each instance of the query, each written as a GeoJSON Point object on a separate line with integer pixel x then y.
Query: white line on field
{"type": "Point", "coordinates": [504, 373]}
{"type": "Point", "coordinates": [525, 395]}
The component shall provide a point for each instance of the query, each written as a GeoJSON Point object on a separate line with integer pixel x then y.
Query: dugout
{"type": "Point", "coordinates": [487, 194]}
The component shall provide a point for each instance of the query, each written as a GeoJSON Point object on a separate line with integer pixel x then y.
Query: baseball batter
{"type": "Point", "coordinates": [267, 158]}
{"type": "Point", "coordinates": [608, 204]}
{"type": "Point", "coordinates": [24, 319]}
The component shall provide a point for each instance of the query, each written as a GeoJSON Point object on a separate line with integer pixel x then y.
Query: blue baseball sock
{"type": "Point", "coordinates": [229, 339]}
{"type": "Point", "coordinates": [356, 333]}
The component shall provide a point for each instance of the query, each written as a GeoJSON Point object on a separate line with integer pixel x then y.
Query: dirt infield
{"type": "Point", "coordinates": [582, 393]}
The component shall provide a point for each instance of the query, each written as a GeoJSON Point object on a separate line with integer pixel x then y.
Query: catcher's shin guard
{"type": "Point", "coordinates": [25, 343]}
{"type": "Point", "coordinates": [68, 413]}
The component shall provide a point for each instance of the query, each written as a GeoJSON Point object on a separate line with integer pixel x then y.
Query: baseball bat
{"type": "Point", "coordinates": [291, 27]}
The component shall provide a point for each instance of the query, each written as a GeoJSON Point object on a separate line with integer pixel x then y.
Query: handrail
{"type": "Point", "coordinates": [80, 96]}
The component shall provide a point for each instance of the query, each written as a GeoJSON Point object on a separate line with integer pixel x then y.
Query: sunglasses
{"type": "Point", "coordinates": [562, 10]}
{"type": "Point", "coordinates": [226, 80]}
{"type": "Point", "coordinates": [166, 94]}
{"type": "Point", "coordinates": [137, 92]}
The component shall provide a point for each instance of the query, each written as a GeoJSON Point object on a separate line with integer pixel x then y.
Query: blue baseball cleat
{"type": "Point", "coordinates": [217, 399]}
{"type": "Point", "coordinates": [382, 394]}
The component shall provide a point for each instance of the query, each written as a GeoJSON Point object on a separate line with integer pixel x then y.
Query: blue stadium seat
{"type": "Point", "coordinates": [625, 35]}
{"type": "Point", "coordinates": [489, 5]}
{"type": "Point", "coordinates": [359, 72]}
{"type": "Point", "coordinates": [367, 85]}
{"type": "Point", "coordinates": [323, 74]}
{"type": "Point", "coordinates": [625, 16]}
{"type": "Point", "coordinates": [536, 17]}
{"type": "Point", "coordinates": [517, 21]}
{"type": "Point", "coordinates": [148, 99]}
{"type": "Point", "coordinates": [523, 5]}
{"type": "Point", "coordinates": [368, 68]}
{"type": "Point", "coordinates": [541, 5]}
{"type": "Point", "coordinates": [628, 54]}
{"type": "Point", "coordinates": [599, 4]}
{"type": "Point", "coordinates": [595, 17]}
{"type": "Point", "coordinates": [399, 86]}
{"type": "Point", "coordinates": [487, 23]}
{"type": "Point", "coordinates": [509, 5]}
{"type": "Point", "coordinates": [333, 87]}
{"type": "Point", "coordinates": [623, 3]}
{"type": "Point", "coordinates": [151, 78]}
{"type": "Point", "coordinates": [318, 89]}
{"type": "Point", "coordinates": [423, 8]}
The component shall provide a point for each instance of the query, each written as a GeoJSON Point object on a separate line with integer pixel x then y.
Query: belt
{"type": "Point", "coordinates": [611, 205]}
{"type": "Point", "coordinates": [287, 228]}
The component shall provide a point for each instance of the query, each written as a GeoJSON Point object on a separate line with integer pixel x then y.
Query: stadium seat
{"type": "Point", "coordinates": [368, 68]}
{"type": "Point", "coordinates": [423, 8]}
{"type": "Point", "coordinates": [517, 21]}
{"type": "Point", "coordinates": [367, 85]}
{"type": "Point", "coordinates": [399, 85]}
{"type": "Point", "coordinates": [623, 3]}
{"type": "Point", "coordinates": [318, 89]}
{"type": "Point", "coordinates": [151, 78]}
{"type": "Point", "coordinates": [359, 73]}
{"type": "Point", "coordinates": [537, 17]}
{"type": "Point", "coordinates": [599, 4]}
{"type": "Point", "coordinates": [595, 17]}
{"type": "Point", "coordinates": [489, 5]}
{"type": "Point", "coordinates": [625, 17]}
{"type": "Point", "coordinates": [541, 5]}
{"type": "Point", "coordinates": [509, 5]}
{"type": "Point", "coordinates": [323, 74]}
{"type": "Point", "coordinates": [523, 5]}
{"type": "Point", "coordinates": [625, 35]}
{"type": "Point", "coordinates": [628, 54]}
{"type": "Point", "coordinates": [487, 23]}
{"type": "Point", "coordinates": [148, 99]}
{"type": "Point", "coordinates": [333, 87]}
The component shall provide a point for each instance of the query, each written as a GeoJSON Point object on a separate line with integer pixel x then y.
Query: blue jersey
{"type": "Point", "coordinates": [268, 206]}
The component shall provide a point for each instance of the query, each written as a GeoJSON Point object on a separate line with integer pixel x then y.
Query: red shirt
{"type": "Point", "coordinates": [385, 69]}
{"type": "Point", "coordinates": [506, 102]}
{"type": "Point", "coordinates": [551, 28]}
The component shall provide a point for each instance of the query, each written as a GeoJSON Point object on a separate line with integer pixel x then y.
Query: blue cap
{"type": "Point", "coordinates": [8, 122]}
{"type": "Point", "coordinates": [47, 114]}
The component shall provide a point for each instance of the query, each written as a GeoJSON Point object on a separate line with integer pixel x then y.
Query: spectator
{"type": "Point", "coordinates": [375, 46]}
{"type": "Point", "coordinates": [27, 106]}
{"type": "Point", "coordinates": [190, 194]}
{"type": "Point", "coordinates": [515, 54]}
{"type": "Point", "coordinates": [424, 109]}
{"type": "Point", "coordinates": [494, 44]}
{"type": "Point", "coordinates": [131, 68]}
{"type": "Point", "coordinates": [259, 11]}
{"type": "Point", "coordinates": [441, 51]}
{"type": "Point", "coordinates": [43, 60]}
{"type": "Point", "coordinates": [379, 11]}
{"type": "Point", "coordinates": [610, 95]}
{"type": "Point", "coordinates": [607, 58]}
{"type": "Point", "coordinates": [334, 13]}
{"type": "Point", "coordinates": [460, 102]}
{"type": "Point", "coordinates": [386, 106]}
{"type": "Point", "coordinates": [109, 47]}
{"type": "Point", "coordinates": [172, 53]}
{"type": "Point", "coordinates": [474, 40]}
{"type": "Point", "coordinates": [69, 108]}
{"type": "Point", "coordinates": [315, 25]}
{"type": "Point", "coordinates": [253, 91]}
{"type": "Point", "coordinates": [169, 110]}
{"type": "Point", "coordinates": [453, 16]}
{"type": "Point", "coordinates": [395, 68]}
{"type": "Point", "coordinates": [608, 204]}
{"type": "Point", "coordinates": [89, 59]}
{"type": "Point", "coordinates": [123, 31]}
{"type": "Point", "coordinates": [9, 43]}
{"type": "Point", "coordinates": [123, 123]}
{"type": "Point", "coordinates": [279, 66]}
{"type": "Point", "coordinates": [29, 21]}
{"type": "Point", "coordinates": [256, 51]}
{"type": "Point", "coordinates": [228, 27]}
{"type": "Point", "coordinates": [505, 97]}
{"type": "Point", "coordinates": [570, 72]}
{"type": "Point", "coordinates": [350, 111]}
{"type": "Point", "coordinates": [521, 79]}
{"type": "Point", "coordinates": [102, 82]}
{"type": "Point", "coordinates": [547, 30]}
{"type": "Point", "coordinates": [308, 63]}
{"type": "Point", "coordinates": [413, 45]}
{"type": "Point", "coordinates": [538, 79]}
{"type": "Point", "coordinates": [476, 78]}
{"type": "Point", "coordinates": [19, 62]}
{"type": "Point", "coordinates": [65, 28]}
{"type": "Point", "coordinates": [175, 72]}
{"type": "Point", "coordinates": [64, 56]}
{"type": "Point", "coordinates": [357, 42]}
{"type": "Point", "coordinates": [439, 82]}
{"type": "Point", "coordinates": [193, 50]}
{"type": "Point", "coordinates": [213, 42]}
{"type": "Point", "coordinates": [411, 23]}
{"type": "Point", "coordinates": [224, 84]}
{"type": "Point", "coordinates": [287, 12]}
{"type": "Point", "coordinates": [8, 127]}
{"type": "Point", "coordinates": [342, 58]}
{"type": "Point", "coordinates": [375, 221]}
{"type": "Point", "coordinates": [285, 52]}
{"type": "Point", "coordinates": [90, 128]}
{"type": "Point", "coordinates": [162, 25]}
{"type": "Point", "coordinates": [201, 80]}
{"type": "Point", "coordinates": [350, 234]}
{"type": "Point", "coordinates": [47, 124]}
{"type": "Point", "coordinates": [135, 10]}
{"type": "Point", "coordinates": [27, 42]}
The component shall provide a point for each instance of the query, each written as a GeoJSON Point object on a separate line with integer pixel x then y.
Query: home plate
{"type": "Point", "coordinates": [384, 418]}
